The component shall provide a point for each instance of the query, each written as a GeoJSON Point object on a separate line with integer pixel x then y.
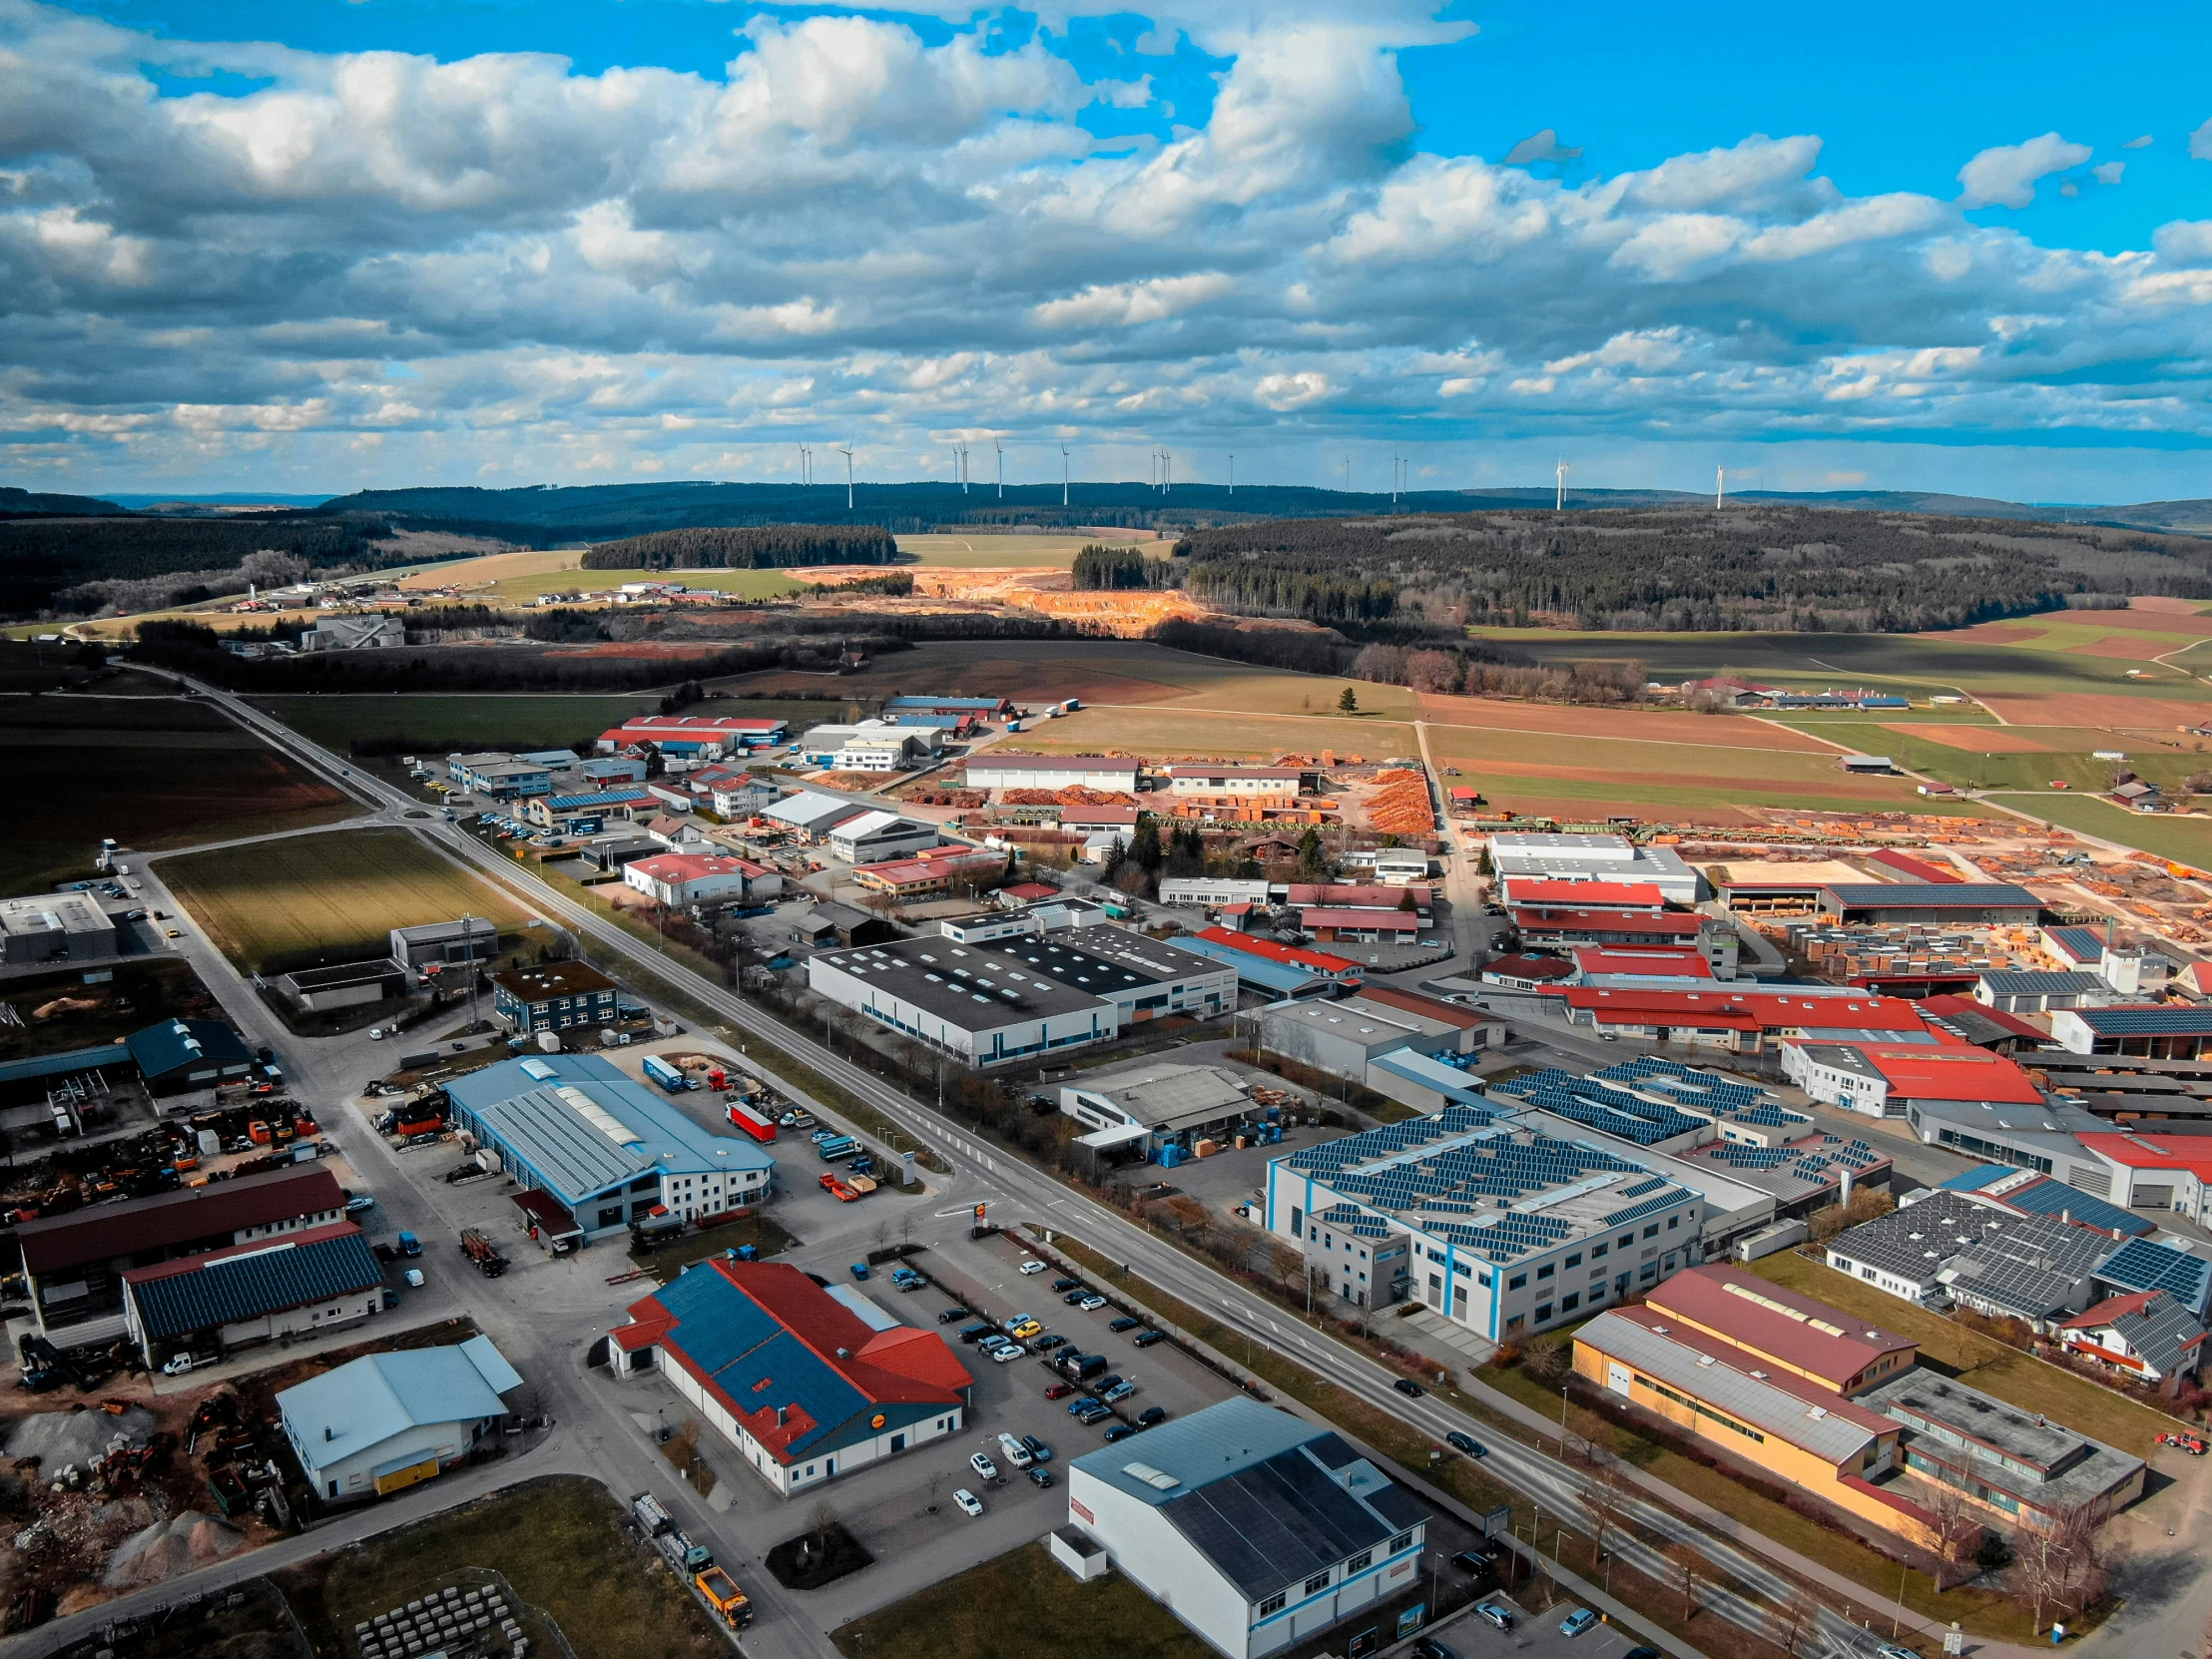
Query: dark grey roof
{"type": "Point", "coordinates": [1276, 1523]}
{"type": "Point", "coordinates": [2163, 1333]}
{"type": "Point", "coordinates": [967, 986]}
{"type": "Point", "coordinates": [1949, 895]}
{"type": "Point", "coordinates": [2033, 983]}
{"type": "Point", "coordinates": [202, 1292]}
{"type": "Point", "coordinates": [2164, 1020]}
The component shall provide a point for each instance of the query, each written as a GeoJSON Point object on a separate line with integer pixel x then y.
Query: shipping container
{"type": "Point", "coordinates": [658, 1071]}
{"type": "Point", "coordinates": [760, 1128]}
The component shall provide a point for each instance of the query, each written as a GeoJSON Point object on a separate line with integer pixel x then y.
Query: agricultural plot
{"type": "Point", "coordinates": [517, 578]}
{"type": "Point", "coordinates": [443, 724]}
{"type": "Point", "coordinates": [169, 773]}
{"type": "Point", "coordinates": [1030, 671]}
{"type": "Point", "coordinates": [329, 899]}
{"type": "Point", "coordinates": [2021, 757]}
{"type": "Point", "coordinates": [973, 552]}
{"type": "Point", "coordinates": [2184, 840]}
{"type": "Point", "coordinates": [1161, 732]}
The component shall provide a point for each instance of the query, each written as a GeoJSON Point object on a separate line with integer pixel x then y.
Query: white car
{"type": "Point", "coordinates": [179, 1365]}
{"type": "Point", "coordinates": [414, 1278]}
{"type": "Point", "coordinates": [1032, 1266]}
{"type": "Point", "coordinates": [1006, 1353]}
{"type": "Point", "coordinates": [1091, 1304]}
{"type": "Point", "coordinates": [983, 1466]}
{"type": "Point", "coordinates": [970, 1505]}
{"type": "Point", "coordinates": [375, 1033]}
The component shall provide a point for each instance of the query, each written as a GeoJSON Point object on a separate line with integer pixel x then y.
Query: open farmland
{"type": "Point", "coordinates": [1030, 670]}
{"type": "Point", "coordinates": [152, 772]}
{"type": "Point", "coordinates": [339, 722]}
{"type": "Point", "coordinates": [973, 552]}
{"type": "Point", "coordinates": [2186, 841]}
{"type": "Point", "coordinates": [327, 898]}
{"type": "Point", "coordinates": [1161, 733]}
{"type": "Point", "coordinates": [519, 577]}
{"type": "Point", "coordinates": [2018, 757]}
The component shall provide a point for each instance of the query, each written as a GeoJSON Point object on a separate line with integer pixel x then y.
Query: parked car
{"type": "Point", "coordinates": [1007, 1353]}
{"type": "Point", "coordinates": [414, 1279]}
{"type": "Point", "coordinates": [1120, 1432]}
{"type": "Point", "coordinates": [1076, 1299]}
{"type": "Point", "coordinates": [1082, 1404]}
{"type": "Point", "coordinates": [1118, 1392]}
{"type": "Point", "coordinates": [179, 1365]}
{"type": "Point", "coordinates": [1427, 1647]}
{"type": "Point", "coordinates": [1091, 1304]}
{"type": "Point", "coordinates": [1577, 1621]}
{"type": "Point", "coordinates": [360, 1203]}
{"type": "Point", "coordinates": [1145, 1339]}
{"type": "Point", "coordinates": [1040, 1478]}
{"type": "Point", "coordinates": [1152, 1415]}
{"type": "Point", "coordinates": [951, 1314]}
{"type": "Point", "coordinates": [1466, 1443]}
{"type": "Point", "coordinates": [1023, 1327]}
{"type": "Point", "coordinates": [975, 1334]}
{"type": "Point", "coordinates": [1498, 1615]}
{"type": "Point", "coordinates": [1067, 1285]}
{"type": "Point", "coordinates": [1016, 1452]}
{"type": "Point", "coordinates": [1097, 1414]}
{"type": "Point", "coordinates": [970, 1505]}
{"type": "Point", "coordinates": [983, 1466]}
{"type": "Point", "coordinates": [1032, 1266]}
{"type": "Point", "coordinates": [1047, 1343]}
{"type": "Point", "coordinates": [1037, 1448]}
{"type": "Point", "coordinates": [1407, 1387]}
{"type": "Point", "coordinates": [1125, 1322]}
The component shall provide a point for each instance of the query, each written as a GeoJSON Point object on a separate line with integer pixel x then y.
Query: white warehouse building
{"type": "Point", "coordinates": [1001, 769]}
{"type": "Point", "coordinates": [1255, 1528]}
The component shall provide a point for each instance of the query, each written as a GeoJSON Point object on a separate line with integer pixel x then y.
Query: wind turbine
{"type": "Point", "coordinates": [1167, 473]}
{"type": "Point", "coordinates": [1002, 448]}
{"type": "Point", "coordinates": [1560, 505]}
{"type": "Point", "coordinates": [846, 452]}
{"type": "Point", "coordinates": [1063, 474]}
{"type": "Point", "coordinates": [1720, 488]}
{"type": "Point", "coordinates": [1232, 472]}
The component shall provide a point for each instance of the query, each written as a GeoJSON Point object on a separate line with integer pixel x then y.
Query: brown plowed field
{"type": "Point", "coordinates": [1820, 789]}
{"type": "Point", "coordinates": [2137, 620]}
{"type": "Point", "coordinates": [1637, 725]}
{"type": "Point", "coordinates": [668, 650]}
{"type": "Point", "coordinates": [1585, 812]}
{"type": "Point", "coordinates": [1981, 739]}
{"type": "Point", "coordinates": [2135, 647]}
{"type": "Point", "coordinates": [2169, 606]}
{"type": "Point", "coordinates": [2090, 709]}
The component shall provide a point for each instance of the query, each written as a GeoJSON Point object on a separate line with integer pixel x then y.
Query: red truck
{"type": "Point", "coordinates": [760, 1128]}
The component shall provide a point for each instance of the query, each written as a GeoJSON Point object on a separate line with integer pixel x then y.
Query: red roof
{"type": "Point", "coordinates": [1779, 1010]}
{"type": "Point", "coordinates": [1920, 870]}
{"type": "Point", "coordinates": [1528, 967]}
{"type": "Point", "coordinates": [1532, 889]}
{"type": "Point", "coordinates": [1747, 1361]}
{"type": "Point", "coordinates": [1428, 1007]}
{"type": "Point", "coordinates": [1388, 921]}
{"type": "Point", "coordinates": [100, 1231]}
{"type": "Point", "coordinates": [694, 866]}
{"type": "Point", "coordinates": [1320, 961]}
{"type": "Point", "coordinates": [2189, 1152]}
{"type": "Point", "coordinates": [1678, 961]}
{"type": "Point", "coordinates": [1343, 897]}
{"type": "Point", "coordinates": [1936, 1007]}
{"type": "Point", "coordinates": [2110, 1309]}
{"type": "Point", "coordinates": [1672, 924]}
{"type": "Point", "coordinates": [1916, 1071]}
{"type": "Point", "coordinates": [695, 725]}
{"type": "Point", "coordinates": [1029, 890]}
{"type": "Point", "coordinates": [1756, 1314]}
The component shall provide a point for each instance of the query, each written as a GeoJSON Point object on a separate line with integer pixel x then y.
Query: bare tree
{"type": "Point", "coordinates": [1800, 1618]}
{"type": "Point", "coordinates": [1689, 1568]}
{"type": "Point", "coordinates": [823, 1520]}
{"type": "Point", "coordinates": [1956, 1527]}
{"type": "Point", "coordinates": [1548, 1359]}
{"type": "Point", "coordinates": [1608, 1503]}
{"type": "Point", "coordinates": [2061, 1565]}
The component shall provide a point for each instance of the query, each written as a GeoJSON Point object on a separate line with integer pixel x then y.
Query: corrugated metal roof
{"type": "Point", "coordinates": [247, 1281]}
{"type": "Point", "coordinates": [361, 1406]}
{"type": "Point", "coordinates": [1919, 897]}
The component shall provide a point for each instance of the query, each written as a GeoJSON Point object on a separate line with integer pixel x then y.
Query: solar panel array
{"type": "Point", "coordinates": [2140, 1264]}
{"type": "Point", "coordinates": [1388, 1141]}
{"type": "Point", "coordinates": [1703, 1090]}
{"type": "Point", "coordinates": [1600, 1106]}
{"type": "Point", "coordinates": [1649, 1206]}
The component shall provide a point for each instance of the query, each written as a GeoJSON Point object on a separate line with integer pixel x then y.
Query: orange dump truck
{"type": "Point", "coordinates": [723, 1596]}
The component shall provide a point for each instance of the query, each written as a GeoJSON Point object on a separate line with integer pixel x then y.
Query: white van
{"type": "Point", "coordinates": [1016, 1453]}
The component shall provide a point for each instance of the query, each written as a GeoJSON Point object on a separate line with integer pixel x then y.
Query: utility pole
{"type": "Point", "coordinates": [468, 952]}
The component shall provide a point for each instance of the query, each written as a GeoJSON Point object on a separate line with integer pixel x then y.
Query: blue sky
{"type": "Point", "coordinates": [306, 245]}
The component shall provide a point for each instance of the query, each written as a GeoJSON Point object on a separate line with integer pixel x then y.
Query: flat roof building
{"type": "Point", "coordinates": [316, 1279]}
{"type": "Point", "coordinates": [790, 1375]}
{"type": "Point", "coordinates": [54, 927]}
{"type": "Point", "coordinates": [998, 768]}
{"type": "Point", "coordinates": [1343, 1038]}
{"type": "Point", "coordinates": [1886, 1080]}
{"type": "Point", "coordinates": [610, 1150]}
{"type": "Point", "coordinates": [1137, 1114]}
{"type": "Point", "coordinates": [1884, 903]}
{"type": "Point", "coordinates": [554, 996]}
{"type": "Point", "coordinates": [1256, 1529]}
{"type": "Point", "coordinates": [447, 943]}
{"type": "Point", "coordinates": [1604, 858]}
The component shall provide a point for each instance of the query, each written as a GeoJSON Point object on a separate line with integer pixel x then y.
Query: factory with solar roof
{"type": "Point", "coordinates": [1485, 1218]}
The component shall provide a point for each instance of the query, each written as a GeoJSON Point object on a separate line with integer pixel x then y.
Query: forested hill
{"type": "Point", "coordinates": [764, 547]}
{"type": "Point", "coordinates": [17, 503]}
{"type": "Point", "coordinates": [1762, 565]}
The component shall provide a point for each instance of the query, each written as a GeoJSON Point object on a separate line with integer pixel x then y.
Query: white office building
{"type": "Point", "coordinates": [1594, 859]}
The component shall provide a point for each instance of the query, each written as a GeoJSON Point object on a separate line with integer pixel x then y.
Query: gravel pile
{"type": "Point", "coordinates": [57, 1439]}
{"type": "Point", "coordinates": [181, 1544]}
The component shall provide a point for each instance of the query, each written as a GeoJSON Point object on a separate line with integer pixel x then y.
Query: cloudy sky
{"type": "Point", "coordinates": [305, 245]}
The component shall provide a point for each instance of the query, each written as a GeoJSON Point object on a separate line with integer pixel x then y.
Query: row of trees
{"type": "Point", "coordinates": [747, 547]}
{"type": "Point", "coordinates": [1099, 568]}
{"type": "Point", "coordinates": [1459, 670]}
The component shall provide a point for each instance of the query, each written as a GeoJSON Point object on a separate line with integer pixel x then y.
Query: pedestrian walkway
{"type": "Point", "coordinates": [1439, 1332]}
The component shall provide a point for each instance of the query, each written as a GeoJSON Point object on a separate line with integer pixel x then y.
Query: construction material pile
{"type": "Point", "coordinates": [1400, 807]}
{"type": "Point", "coordinates": [1075, 795]}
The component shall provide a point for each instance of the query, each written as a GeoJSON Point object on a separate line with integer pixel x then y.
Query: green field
{"type": "Point", "coordinates": [973, 552]}
{"type": "Point", "coordinates": [1969, 769]}
{"type": "Point", "coordinates": [741, 584]}
{"type": "Point", "coordinates": [489, 722]}
{"type": "Point", "coordinates": [151, 771]}
{"type": "Point", "coordinates": [2184, 840]}
{"type": "Point", "coordinates": [561, 1544]}
{"type": "Point", "coordinates": [329, 899]}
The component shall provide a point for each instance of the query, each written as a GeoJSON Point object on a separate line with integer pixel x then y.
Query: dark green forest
{"type": "Point", "coordinates": [44, 560]}
{"type": "Point", "coordinates": [747, 547]}
{"type": "Point", "coordinates": [1101, 569]}
{"type": "Point", "coordinates": [1768, 567]}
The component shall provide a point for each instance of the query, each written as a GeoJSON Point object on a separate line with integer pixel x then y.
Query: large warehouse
{"type": "Point", "coordinates": [54, 927]}
{"type": "Point", "coordinates": [1014, 999]}
{"type": "Point", "coordinates": [1255, 1527]}
{"type": "Point", "coordinates": [608, 1149]}
{"type": "Point", "coordinates": [1001, 769]}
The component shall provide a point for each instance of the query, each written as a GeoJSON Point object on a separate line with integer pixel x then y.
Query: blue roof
{"type": "Point", "coordinates": [1256, 971]}
{"type": "Point", "coordinates": [982, 703]}
{"type": "Point", "coordinates": [380, 1396]}
{"type": "Point", "coordinates": [1949, 895]}
{"type": "Point", "coordinates": [581, 1126]}
{"type": "Point", "coordinates": [1974, 1179]}
{"type": "Point", "coordinates": [2083, 945]}
{"type": "Point", "coordinates": [1449, 1081]}
{"type": "Point", "coordinates": [2140, 1264]}
{"type": "Point", "coordinates": [57, 1065]}
{"type": "Point", "coordinates": [2054, 1198]}
{"type": "Point", "coordinates": [743, 1350]}
{"type": "Point", "coordinates": [604, 798]}
{"type": "Point", "coordinates": [245, 1283]}
{"type": "Point", "coordinates": [176, 1044]}
{"type": "Point", "coordinates": [2164, 1020]}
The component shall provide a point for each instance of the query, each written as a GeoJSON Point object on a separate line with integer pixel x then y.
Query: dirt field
{"type": "Point", "coordinates": [2090, 709]}
{"type": "Point", "coordinates": [1159, 734]}
{"type": "Point", "coordinates": [1986, 740]}
{"type": "Point", "coordinates": [169, 773]}
{"type": "Point", "coordinates": [2140, 647]}
{"type": "Point", "coordinates": [1030, 670]}
{"type": "Point", "coordinates": [1638, 725]}
{"type": "Point", "coordinates": [335, 895]}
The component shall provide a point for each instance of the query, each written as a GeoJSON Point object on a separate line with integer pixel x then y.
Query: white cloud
{"type": "Point", "coordinates": [2200, 143]}
{"type": "Point", "coordinates": [1125, 304]}
{"type": "Point", "coordinates": [2004, 177]}
{"type": "Point", "coordinates": [1284, 392]}
{"type": "Point", "coordinates": [2108, 173]}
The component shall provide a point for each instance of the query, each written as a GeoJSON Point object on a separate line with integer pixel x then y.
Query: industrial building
{"type": "Point", "coordinates": [1784, 1328]}
{"type": "Point", "coordinates": [1743, 1022]}
{"type": "Point", "coordinates": [873, 837]}
{"type": "Point", "coordinates": [554, 996]}
{"type": "Point", "coordinates": [999, 769]}
{"type": "Point", "coordinates": [1886, 1080]}
{"type": "Point", "coordinates": [344, 984]}
{"type": "Point", "coordinates": [316, 1279]}
{"type": "Point", "coordinates": [1141, 1114]}
{"type": "Point", "coordinates": [387, 1422]}
{"type": "Point", "coordinates": [608, 1149]}
{"type": "Point", "coordinates": [446, 943]}
{"type": "Point", "coordinates": [1017, 998]}
{"type": "Point", "coordinates": [911, 879]}
{"type": "Point", "coordinates": [73, 1265]}
{"type": "Point", "coordinates": [1345, 1038]}
{"type": "Point", "coordinates": [1500, 1227]}
{"type": "Point", "coordinates": [698, 736]}
{"type": "Point", "coordinates": [589, 814]}
{"type": "Point", "coordinates": [54, 927]}
{"type": "Point", "coordinates": [2164, 1031]}
{"type": "Point", "coordinates": [1238, 788]}
{"type": "Point", "coordinates": [684, 878]}
{"type": "Point", "coordinates": [354, 633]}
{"type": "Point", "coordinates": [1886, 904]}
{"type": "Point", "coordinates": [182, 1055]}
{"type": "Point", "coordinates": [1213, 892]}
{"type": "Point", "coordinates": [1946, 1246]}
{"type": "Point", "coordinates": [790, 1373]}
{"type": "Point", "coordinates": [501, 776]}
{"type": "Point", "coordinates": [1594, 859]}
{"type": "Point", "coordinates": [1256, 1529]}
{"type": "Point", "coordinates": [812, 815]}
